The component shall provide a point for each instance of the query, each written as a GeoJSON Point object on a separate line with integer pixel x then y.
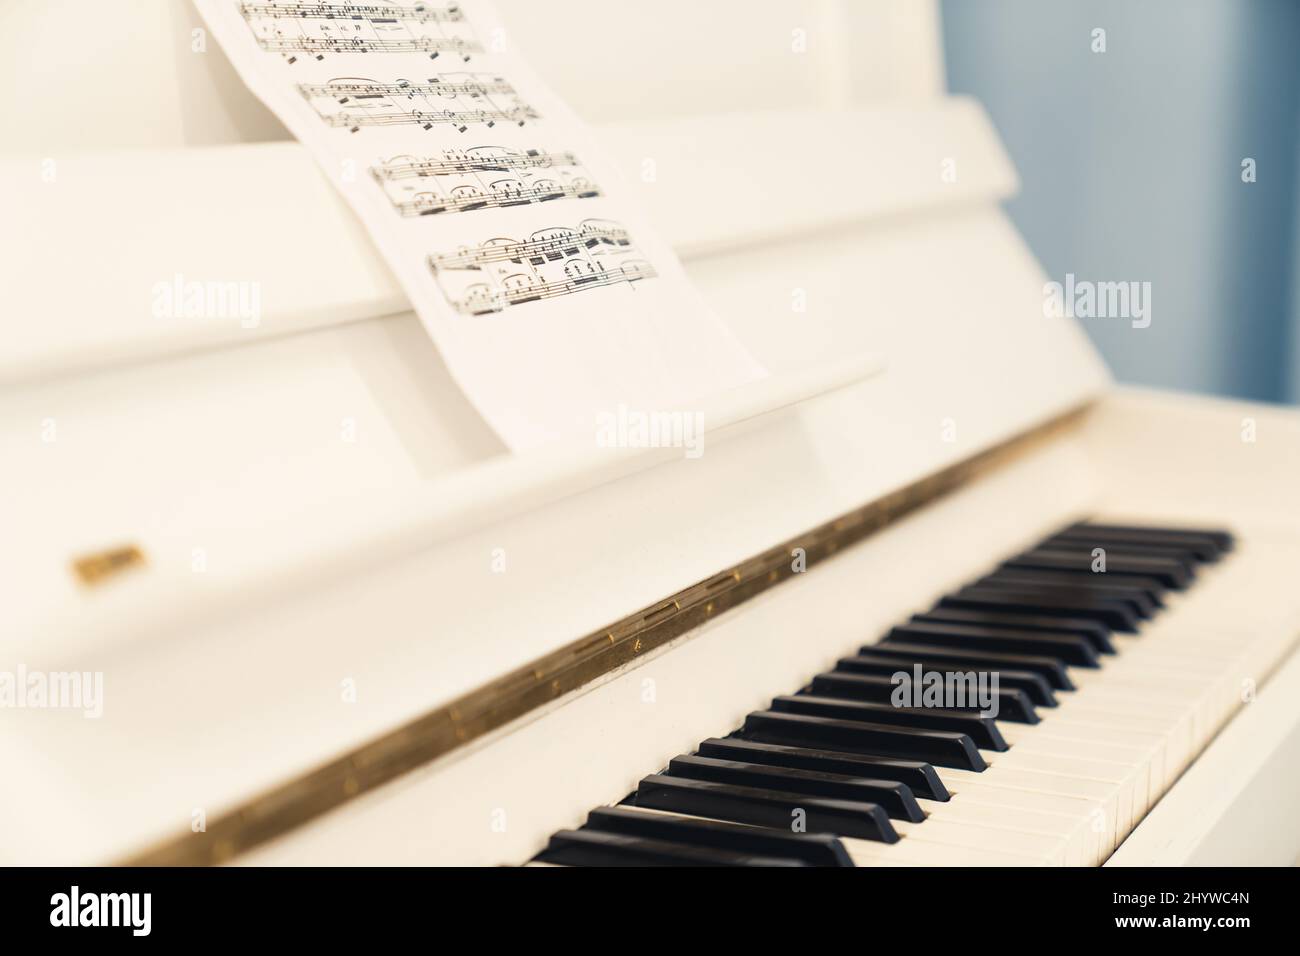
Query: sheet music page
{"type": "Point", "coordinates": [549, 297]}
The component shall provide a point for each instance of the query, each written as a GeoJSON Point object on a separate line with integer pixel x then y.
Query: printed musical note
{"type": "Point", "coordinates": [552, 262]}
{"type": "Point", "coordinates": [353, 79]}
{"type": "Point", "coordinates": [319, 28]}
{"type": "Point", "coordinates": [363, 45]}
{"type": "Point", "coordinates": [483, 177]}
{"type": "Point", "coordinates": [374, 12]}
{"type": "Point", "coordinates": [435, 87]}
{"type": "Point", "coordinates": [458, 100]}
{"type": "Point", "coordinates": [430, 203]}
{"type": "Point", "coordinates": [478, 159]}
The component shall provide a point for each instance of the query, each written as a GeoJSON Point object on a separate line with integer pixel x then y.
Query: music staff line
{"type": "Point", "coordinates": [370, 12]}
{"type": "Point", "coordinates": [536, 251]}
{"type": "Point", "coordinates": [345, 90]}
{"type": "Point", "coordinates": [482, 177]}
{"type": "Point", "coordinates": [333, 28]}
{"type": "Point", "coordinates": [500, 199]}
{"type": "Point", "coordinates": [352, 103]}
{"type": "Point", "coordinates": [552, 263]}
{"type": "Point", "coordinates": [461, 119]}
{"type": "Point", "coordinates": [363, 45]}
{"type": "Point", "coordinates": [468, 162]}
{"type": "Point", "coordinates": [498, 299]}
{"type": "Point", "coordinates": [502, 272]}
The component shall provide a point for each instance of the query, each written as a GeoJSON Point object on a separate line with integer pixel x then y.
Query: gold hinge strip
{"type": "Point", "coordinates": [93, 569]}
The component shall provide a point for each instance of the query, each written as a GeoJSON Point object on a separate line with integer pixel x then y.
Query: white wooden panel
{"type": "Point", "coordinates": [1236, 805]}
{"type": "Point", "coordinates": [714, 183]}
{"type": "Point", "coordinates": [1163, 446]}
{"type": "Point", "coordinates": [189, 428]}
{"type": "Point", "coordinates": [265, 215]}
{"type": "Point", "coordinates": [676, 58]}
{"type": "Point", "coordinates": [237, 704]}
{"type": "Point", "coordinates": [81, 75]}
{"type": "Point", "coordinates": [119, 223]}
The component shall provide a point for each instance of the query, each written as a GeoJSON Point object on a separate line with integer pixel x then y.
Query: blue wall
{"type": "Point", "coordinates": [1131, 168]}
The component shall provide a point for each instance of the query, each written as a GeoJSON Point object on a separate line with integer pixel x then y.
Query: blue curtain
{"type": "Point", "coordinates": [1131, 162]}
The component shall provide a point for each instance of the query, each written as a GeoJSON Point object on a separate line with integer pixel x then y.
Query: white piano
{"type": "Point", "coordinates": [337, 622]}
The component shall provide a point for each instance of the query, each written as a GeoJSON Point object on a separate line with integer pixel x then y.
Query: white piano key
{"type": "Point", "coordinates": [908, 852]}
{"type": "Point", "coordinates": [1071, 787]}
{"type": "Point", "coordinates": [1185, 709]}
{"type": "Point", "coordinates": [1127, 781]}
{"type": "Point", "coordinates": [1102, 796]}
{"type": "Point", "coordinates": [1047, 847]}
{"type": "Point", "coordinates": [1115, 744]}
{"type": "Point", "coordinates": [1085, 840]}
{"type": "Point", "coordinates": [1040, 838]}
{"type": "Point", "coordinates": [1179, 720]}
{"type": "Point", "coordinates": [1172, 733]}
{"type": "Point", "coordinates": [1066, 828]}
{"type": "Point", "coordinates": [1093, 742]}
{"type": "Point", "coordinates": [1145, 759]}
{"type": "Point", "coordinates": [1123, 790]}
{"type": "Point", "coordinates": [1205, 694]}
{"type": "Point", "coordinates": [1038, 748]}
{"type": "Point", "coordinates": [1148, 743]}
{"type": "Point", "coordinates": [973, 843]}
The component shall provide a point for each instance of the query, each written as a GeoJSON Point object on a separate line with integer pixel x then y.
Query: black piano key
{"type": "Point", "coordinates": [1114, 614]}
{"type": "Point", "coordinates": [895, 798]}
{"type": "Point", "coordinates": [982, 730]}
{"type": "Point", "coordinates": [1221, 536]}
{"type": "Point", "coordinates": [814, 849]}
{"type": "Point", "coordinates": [947, 658]}
{"type": "Point", "coordinates": [1137, 609]}
{"type": "Point", "coordinates": [1168, 571]}
{"type": "Point", "coordinates": [1222, 540]}
{"type": "Point", "coordinates": [1011, 704]}
{"type": "Point", "coordinates": [1137, 601]}
{"type": "Point", "coordinates": [1097, 634]}
{"type": "Point", "coordinates": [920, 777]}
{"type": "Point", "coordinates": [1035, 686]}
{"type": "Point", "coordinates": [600, 848]}
{"type": "Point", "coordinates": [1064, 647]}
{"type": "Point", "coordinates": [769, 808]}
{"type": "Point", "coordinates": [1145, 593]}
{"type": "Point", "coordinates": [1155, 554]}
{"type": "Point", "coordinates": [1189, 558]}
{"type": "Point", "coordinates": [939, 747]}
{"type": "Point", "coordinates": [1173, 568]}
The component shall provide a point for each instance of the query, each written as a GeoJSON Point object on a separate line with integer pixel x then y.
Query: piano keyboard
{"type": "Point", "coordinates": [1098, 710]}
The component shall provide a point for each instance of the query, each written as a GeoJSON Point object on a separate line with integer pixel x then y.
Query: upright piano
{"type": "Point", "coordinates": [337, 622]}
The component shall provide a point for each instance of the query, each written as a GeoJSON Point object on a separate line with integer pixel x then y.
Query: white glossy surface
{"type": "Point", "coordinates": [242, 452]}
{"type": "Point", "coordinates": [1068, 791]}
{"type": "Point", "coordinates": [330, 560]}
{"type": "Point", "coordinates": [726, 55]}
